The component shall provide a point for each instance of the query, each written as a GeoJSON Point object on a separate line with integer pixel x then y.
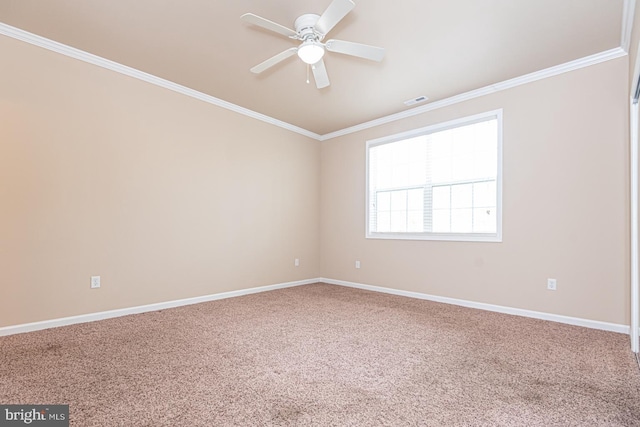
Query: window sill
{"type": "Point", "coordinates": [447, 237]}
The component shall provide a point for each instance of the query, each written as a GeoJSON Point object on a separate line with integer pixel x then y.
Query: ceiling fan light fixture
{"type": "Point", "coordinates": [311, 52]}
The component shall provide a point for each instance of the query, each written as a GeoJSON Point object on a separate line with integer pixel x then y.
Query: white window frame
{"type": "Point", "coordinates": [460, 237]}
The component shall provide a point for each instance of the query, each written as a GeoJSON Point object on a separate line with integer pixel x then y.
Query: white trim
{"type": "Point", "coordinates": [78, 54]}
{"type": "Point", "coordinates": [576, 321]}
{"type": "Point", "coordinates": [455, 237]}
{"type": "Point", "coordinates": [450, 237]}
{"type": "Point", "coordinates": [90, 58]}
{"type": "Point", "coordinates": [487, 90]}
{"type": "Point", "coordinates": [92, 317]}
{"type": "Point", "coordinates": [635, 315]}
{"type": "Point", "coordinates": [628, 11]}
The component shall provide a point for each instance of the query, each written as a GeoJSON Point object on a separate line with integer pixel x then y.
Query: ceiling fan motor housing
{"type": "Point", "coordinates": [305, 27]}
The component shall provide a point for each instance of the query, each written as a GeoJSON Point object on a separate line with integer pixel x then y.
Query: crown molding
{"type": "Point", "coordinates": [90, 58]}
{"type": "Point", "coordinates": [628, 12]}
{"type": "Point", "coordinates": [487, 90]}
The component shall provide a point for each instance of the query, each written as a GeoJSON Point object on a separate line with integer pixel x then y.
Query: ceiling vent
{"type": "Point", "coordinates": [415, 101]}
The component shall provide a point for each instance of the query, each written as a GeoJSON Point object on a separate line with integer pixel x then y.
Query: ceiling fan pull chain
{"type": "Point", "coordinates": [308, 73]}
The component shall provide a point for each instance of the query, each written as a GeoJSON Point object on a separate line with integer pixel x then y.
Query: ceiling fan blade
{"type": "Point", "coordinates": [337, 10]}
{"type": "Point", "coordinates": [355, 49]}
{"type": "Point", "coordinates": [269, 25]}
{"type": "Point", "coordinates": [274, 60]}
{"type": "Point", "coordinates": [320, 74]}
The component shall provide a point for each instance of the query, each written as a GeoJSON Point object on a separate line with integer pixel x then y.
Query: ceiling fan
{"type": "Point", "coordinates": [311, 29]}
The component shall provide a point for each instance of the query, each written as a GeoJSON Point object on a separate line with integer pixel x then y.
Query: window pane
{"type": "Point", "coordinates": [383, 222]}
{"type": "Point", "coordinates": [440, 144]}
{"type": "Point", "coordinates": [461, 220]}
{"type": "Point", "coordinates": [415, 200]}
{"type": "Point", "coordinates": [399, 200]}
{"type": "Point", "coordinates": [415, 221]}
{"type": "Point", "coordinates": [384, 201]}
{"type": "Point", "coordinates": [441, 221]}
{"type": "Point", "coordinates": [441, 197]}
{"type": "Point", "coordinates": [398, 221]}
{"type": "Point", "coordinates": [484, 194]}
{"type": "Point", "coordinates": [462, 168]}
{"type": "Point", "coordinates": [485, 164]}
{"type": "Point", "coordinates": [463, 140]}
{"type": "Point", "coordinates": [441, 170]}
{"type": "Point", "coordinates": [484, 220]}
{"type": "Point", "coordinates": [462, 196]}
{"type": "Point", "coordinates": [400, 176]}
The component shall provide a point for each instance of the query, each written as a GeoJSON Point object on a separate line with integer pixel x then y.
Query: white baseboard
{"type": "Point", "coordinates": [593, 324]}
{"type": "Point", "coordinates": [92, 317]}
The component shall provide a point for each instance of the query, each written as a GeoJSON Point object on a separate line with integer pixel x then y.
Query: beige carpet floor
{"type": "Point", "coordinates": [325, 355]}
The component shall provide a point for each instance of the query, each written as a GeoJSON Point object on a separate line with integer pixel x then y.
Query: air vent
{"type": "Point", "coordinates": [415, 101]}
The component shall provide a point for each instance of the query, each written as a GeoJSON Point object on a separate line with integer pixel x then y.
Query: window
{"type": "Point", "coordinates": [441, 182]}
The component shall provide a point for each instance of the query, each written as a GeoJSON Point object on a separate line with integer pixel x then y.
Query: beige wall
{"type": "Point", "coordinates": [565, 205]}
{"type": "Point", "coordinates": [163, 196]}
{"type": "Point", "coordinates": [166, 197]}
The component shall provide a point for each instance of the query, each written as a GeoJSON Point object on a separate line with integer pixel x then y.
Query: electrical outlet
{"type": "Point", "coordinates": [95, 282]}
{"type": "Point", "coordinates": [357, 264]}
{"type": "Point", "coordinates": [552, 284]}
{"type": "Point", "coordinates": [296, 262]}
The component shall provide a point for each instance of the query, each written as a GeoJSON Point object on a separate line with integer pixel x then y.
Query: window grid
{"type": "Point", "coordinates": [473, 207]}
{"type": "Point", "coordinates": [384, 209]}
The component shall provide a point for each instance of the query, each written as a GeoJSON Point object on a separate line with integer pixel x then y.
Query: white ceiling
{"type": "Point", "coordinates": [437, 48]}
